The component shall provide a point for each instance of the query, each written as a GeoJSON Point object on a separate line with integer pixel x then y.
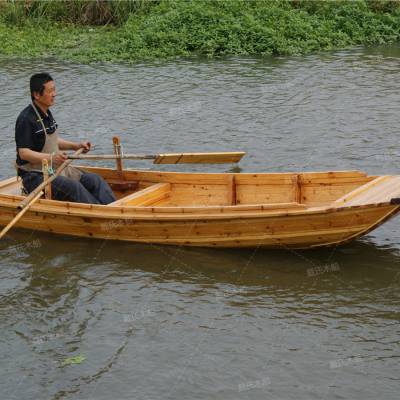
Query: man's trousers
{"type": "Point", "coordinates": [91, 188]}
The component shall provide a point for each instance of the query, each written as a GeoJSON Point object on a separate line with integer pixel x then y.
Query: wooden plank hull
{"type": "Point", "coordinates": [281, 210]}
{"type": "Point", "coordinates": [292, 230]}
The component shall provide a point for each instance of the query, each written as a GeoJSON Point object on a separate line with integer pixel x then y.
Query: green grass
{"type": "Point", "coordinates": [140, 30]}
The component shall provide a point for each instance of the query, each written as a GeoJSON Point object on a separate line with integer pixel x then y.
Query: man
{"type": "Point", "coordinates": [36, 137]}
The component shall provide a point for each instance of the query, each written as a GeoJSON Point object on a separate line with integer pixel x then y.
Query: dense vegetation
{"type": "Point", "coordinates": [131, 30]}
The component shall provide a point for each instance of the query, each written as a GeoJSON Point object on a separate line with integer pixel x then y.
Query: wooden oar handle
{"type": "Point", "coordinates": [113, 157]}
{"type": "Point", "coordinates": [67, 162]}
{"type": "Point", "coordinates": [19, 215]}
{"type": "Point", "coordinates": [45, 182]}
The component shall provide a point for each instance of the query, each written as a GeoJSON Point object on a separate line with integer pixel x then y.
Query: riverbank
{"type": "Point", "coordinates": [164, 29]}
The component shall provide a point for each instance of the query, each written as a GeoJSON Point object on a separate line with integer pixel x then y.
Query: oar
{"type": "Point", "coordinates": [172, 158]}
{"type": "Point", "coordinates": [35, 195]}
{"type": "Point", "coordinates": [20, 214]}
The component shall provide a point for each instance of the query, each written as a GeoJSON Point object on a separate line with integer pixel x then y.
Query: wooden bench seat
{"type": "Point", "coordinates": [380, 190]}
{"type": "Point", "coordinates": [145, 197]}
{"type": "Point", "coordinates": [121, 185]}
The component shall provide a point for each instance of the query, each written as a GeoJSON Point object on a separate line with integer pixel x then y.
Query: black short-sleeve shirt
{"type": "Point", "coordinates": [29, 131]}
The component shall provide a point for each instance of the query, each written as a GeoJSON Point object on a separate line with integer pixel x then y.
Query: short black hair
{"type": "Point", "coordinates": [37, 82]}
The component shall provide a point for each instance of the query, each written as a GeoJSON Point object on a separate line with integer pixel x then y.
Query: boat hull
{"type": "Point", "coordinates": [283, 229]}
{"type": "Point", "coordinates": [272, 210]}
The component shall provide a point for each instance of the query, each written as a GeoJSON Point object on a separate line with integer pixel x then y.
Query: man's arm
{"type": "Point", "coordinates": [66, 145]}
{"type": "Point", "coordinates": [36, 157]}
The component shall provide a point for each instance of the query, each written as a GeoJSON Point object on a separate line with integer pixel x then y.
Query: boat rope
{"type": "Point", "coordinates": [120, 150]}
{"type": "Point", "coordinates": [50, 169]}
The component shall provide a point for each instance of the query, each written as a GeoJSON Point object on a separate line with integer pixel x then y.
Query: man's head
{"type": "Point", "coordinates": [43, 89]}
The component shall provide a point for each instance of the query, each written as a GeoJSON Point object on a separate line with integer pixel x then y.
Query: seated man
{"type": "Point", "coordinates": [36, 136]}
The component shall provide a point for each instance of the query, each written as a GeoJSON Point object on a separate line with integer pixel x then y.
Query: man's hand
{"type": "Point", "coordinates": [85, 146]}
{"type": "Point", "coordinates": [66, 145]}
{"type": "Point", "coordinates": [59, 158]}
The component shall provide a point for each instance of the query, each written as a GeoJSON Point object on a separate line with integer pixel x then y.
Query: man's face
{"type": "Point", "coordinates": [49, 94]}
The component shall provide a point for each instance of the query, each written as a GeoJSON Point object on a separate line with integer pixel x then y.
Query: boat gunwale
{"type": "Point", "coordinates": [173, 213]}
{"type": "Point", "coordinates": [352, 172]}
{"type": "Point", "coordinates": [195, 212]}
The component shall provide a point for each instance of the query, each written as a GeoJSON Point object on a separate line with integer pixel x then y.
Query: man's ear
{"type": "Point", "coordinates": [35, 95]}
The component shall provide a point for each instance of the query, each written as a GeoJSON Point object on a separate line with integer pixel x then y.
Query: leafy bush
{"type": "Point", "coordinates": [170, 28]}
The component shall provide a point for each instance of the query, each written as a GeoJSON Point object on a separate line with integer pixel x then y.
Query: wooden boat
{"type": "Point", "coordinates": [294, 210]}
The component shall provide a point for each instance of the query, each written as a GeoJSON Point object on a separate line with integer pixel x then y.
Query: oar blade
{"type": "Point", "coordinates": [199, 158]}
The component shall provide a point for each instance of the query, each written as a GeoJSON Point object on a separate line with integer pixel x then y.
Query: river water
{"type": "Point", "coordinates": [151, 322]}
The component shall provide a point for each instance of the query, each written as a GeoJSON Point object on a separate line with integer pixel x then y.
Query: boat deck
{"type": "Point", "coordinates": [382, 189]}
